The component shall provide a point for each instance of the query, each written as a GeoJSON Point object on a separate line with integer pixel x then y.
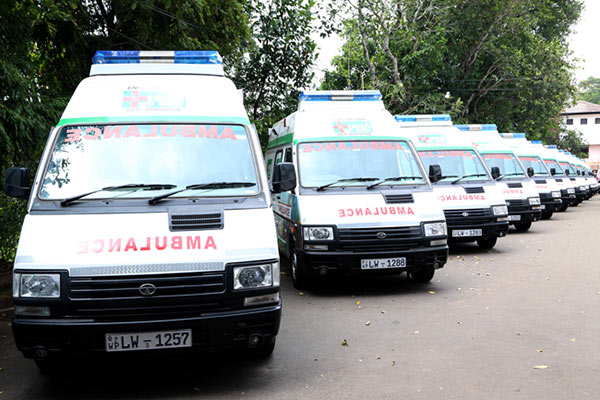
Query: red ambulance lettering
{"type": "Point", "coordinates": [164, 130]}
{"type": "Point", "coordinates": [110, 131]}
{"type": "Point", "coordinates": [153, 131]}
{"type": "Point", "coordinates": [162, 245]}
{"type": "Point", "coordinates": [132, 131]}
{"type": "Point", "coordinates": [130, 245]}
{"type": "Point", "coordinates": [114, 245]}
{"type": "Point", "coordinates": [96, 133]}
{"type": "Point", "coordinates": [98, 246]}
{"type": "Point", "coordinates": [73, 135]}
{"type": "Point", "coordinates": [193, 242]}
{"type": "Point", "coordinates": [176, 243]}
{"type": "Point", "coordinates": [210, 243]}
{"type": "Point", "coordinates": [83, 247]}
{"type": "Point", "coordinates": [211, 132]}
{"type": "Point", "coordinates": [351, 212]}
{"type": "Point", "coordinates": [188, 131]}
{"type": "Point", "coordinates": [227, 134]}
{"type": "Point", "coordinates": [147, 246]}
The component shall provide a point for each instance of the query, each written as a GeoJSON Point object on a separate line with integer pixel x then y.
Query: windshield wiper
{"type": "Point", "coordinates": [511, 174]}
{"type": "Point", "coordinates": [466, 176]}
{"type": "Point", "coordinates": [150, 186]}
{"type": "Point", "coordinates": [393, 178]}
{"type": "Point", "coordinates": [197, 186]}
{"type": "Point", "coordinates": [346, 180]}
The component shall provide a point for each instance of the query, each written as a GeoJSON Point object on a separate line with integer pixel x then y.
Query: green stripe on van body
{"type": "Point", "coordinates": [151, 119]}
{"type": "Point", "coordinates": [349, 139]}
{"type": "Point", "coordinates": [287, 138]}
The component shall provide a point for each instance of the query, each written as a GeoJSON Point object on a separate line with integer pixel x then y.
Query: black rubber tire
{"type": "Point", "coordinates": [547, 215]}
{"type": "Point", "coordinates": [263, 351]}
{"type": "Point", "coordinates": [423, 275]}
{"type": "Point", "coordinates": [487, 243]}
{"type": "Point", "coordinates": [301, 277]}
{"type": "Point", "coordinates": [49, 366]}
{"type": "Point", "coordinates": [563, 207]}
{"type": "Point", "coordinates": [523, 226]}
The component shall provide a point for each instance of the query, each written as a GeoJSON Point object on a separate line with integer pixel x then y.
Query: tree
{"type": "Point", "coordinates": [278, 62]}
{"type": "Point", "coordinates": [489, 61]}
{"type": "Point", "coordinates": [589, 90]}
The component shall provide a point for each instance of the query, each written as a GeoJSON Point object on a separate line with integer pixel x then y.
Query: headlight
{"type": "Point", "coordinates": [534, 201]}
{"type": "Point", "coordinates": [318, 233]}
{"type": "Point", "coordinates": [571, 190]}
{"type": "Point", "coordinates": [256, 276]}
{"type": "Point", "coordinates": [555, 194]}
{"type": "Point", "coordinates": [36, 285]}
{"type": "Point", "coordinates": [435, 229]}
{"type": "Point", "coordinates": [500, 210]}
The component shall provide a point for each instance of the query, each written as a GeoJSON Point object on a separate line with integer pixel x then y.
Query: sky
{"type": "Point", "coordinates": [583, 43]}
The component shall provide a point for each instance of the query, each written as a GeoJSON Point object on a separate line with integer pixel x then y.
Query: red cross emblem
{"type": "Point", "coordinates": [423, 138]}
{"type": "Point", "coordinates": [339, 127]}
{"type": "Point", "coordinates": [135, 98]}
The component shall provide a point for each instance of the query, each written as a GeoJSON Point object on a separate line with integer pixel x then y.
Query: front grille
{"type": "Point", "coordinates": [515, 185]}
{"type": "Point", "coordinates": [475, 216]}
{"type": "Point", "coordinates": [366, 239]}
{"type": "Point", "coordinates": [517, 205]}
{"type": "Point", "coordinates": [474, 189]}
{"type": "Point", "coordinates": [194, 222]}
{"type": "Point", "coordinates": [540, 181]}
{"type": "Point", "coordinates": [546, 197]}
{"type": "Point", "coordinates": [399, 198]}
{"type": "Point", "coordinates": [120, 298]}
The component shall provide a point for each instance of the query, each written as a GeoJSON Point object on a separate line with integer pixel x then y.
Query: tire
{"type": "Point", "coordinates": [563, 207]}
{"type": "Point", "coordinates": [547, 214]}
{"type": "Point", "coordinates": [422, 275]}
{"type": "Point", "coordinates": [49, 366]}
{"type": "Point", "coordinates": [523, 226]}
{"type": "Point", "coordinates": [263, 351]}
{"type": "Point", "coordinates": [301, 278]}
{"type": "Point", "coordinates": [487, 243]}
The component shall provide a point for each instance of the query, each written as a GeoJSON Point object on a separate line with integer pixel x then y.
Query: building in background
{"type": "Point", "coordinates": [585, 118]}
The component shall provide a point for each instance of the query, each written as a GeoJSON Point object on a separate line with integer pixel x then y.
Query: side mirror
{"type": "Point", "coordinates": [16, 182]}
{"type": "Point", "coordinates": [552, 171]}
{"type": "Point", "coordinates": [530, 172]}
{"type": "Point", "coordinates": [495, 173]}
{"type": "Point", "coordinates": [578, 172]}
{"type": "Point", "coordinates": [284, 177]}
{"type": "Point", "coordinates": [435, 173]}
{"type": "Point", "coordinates": [567, 172]}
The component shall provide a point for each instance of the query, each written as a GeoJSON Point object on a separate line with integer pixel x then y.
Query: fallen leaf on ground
{"type": "Point", "coordinates": [344, 342]}
{"type": "Point", "coordinates": [540, 366]}
{"type": "Point", "coordinates": [572, 340]}
{"type": "Point", "coordinates": [301, 293]}
{"type": "Point", "coordinates": [540, 350]}
{"type": "Point", "coordinates": [197, 389]}
{"type": "Point", "coordinates": [393, 363]}
{"type": "Point", "coordinates": [368, 323]}
{"type": "Point", "coordinates": [431, 292]}
{"type": "Point", "coordinates": [358, 303]}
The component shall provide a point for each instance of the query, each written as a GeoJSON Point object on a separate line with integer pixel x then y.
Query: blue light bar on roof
{"type": "Point", "coordinates": [536, 142]}
{"type": "Point", "coordinates": [551, 146]}
{"type": "Point", "coordinates": [561, 151]}
{"type": "Point", "coordinates": [160, 57]}
{"type": "Point", "coordinates": [340, 95]}
{"type": "Point", "coordinates": [477, 127]}
{"type": "Point", "coordinates": [568, 153]}
{"type": "Point", "coordinates": [415, 118]}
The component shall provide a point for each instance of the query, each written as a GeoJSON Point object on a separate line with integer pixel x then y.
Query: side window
{"type": "Point", "coordinates": [269, 168]}
{"type": "Point", "coordinates": [278, 156]}
{"type": "Point", "coordinates": [569, 121]}
{"type": "Point", "coordinates": [288, 155]}
{"type": "Point", "coordinates": [583, 121]}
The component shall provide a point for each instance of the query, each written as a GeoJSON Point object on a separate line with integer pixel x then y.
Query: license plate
{"type": "Point", "coordinates": [148, 340]}
{"type": "Point", "coordinates": [381, 263]}
{"type": "Point", "coordinates": [467, 232]}
{"type": "Point", "coordinates": [543, 207]}
{"type": "Point", "coordinates": [514, 217]}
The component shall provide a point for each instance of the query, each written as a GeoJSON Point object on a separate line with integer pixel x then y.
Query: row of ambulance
{"type": "Point", "coordinates": [150, 219]}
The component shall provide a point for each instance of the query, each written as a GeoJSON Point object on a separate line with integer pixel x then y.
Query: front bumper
{"type": "Point", "coordinates": [549, 203]}
{"type": "Point", "coordinates": [85, 337]}
{"type": "Point", "coordinates": [519, 211]}
{"type": "Point", "coordinates": [489, 230]}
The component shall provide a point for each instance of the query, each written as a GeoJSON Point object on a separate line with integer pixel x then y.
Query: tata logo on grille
{"type": "Point", "coordinates": [465, 214]}
{"type": "Point", "coordinates": [147, 289]}
{"type": "Point", "coordinates": [381, 235]}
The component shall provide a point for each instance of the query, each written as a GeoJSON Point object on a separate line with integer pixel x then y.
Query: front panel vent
{"type": "Point", "coordinates": [558, 179]}
{"type": "Point", "coordinates": [540, 181]}
{"type": "Point", "coordinates": [196, 222]}
{"type": "Point", "coordinates": [474, 189]}
{"type": "Point", "coordinates": [515, 185]}
{"type": "Point", "coordinates": [399, 198]}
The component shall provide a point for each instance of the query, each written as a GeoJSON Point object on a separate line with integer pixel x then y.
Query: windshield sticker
{"type": "Point", "coordinates": [461, 197]}
{"type": "Point", "coordinates": [117, 245]}
{"type": "Point", "coordinates": [330, 146]}
{"type": "Point", "coordinates": [446, 153]}
{"type": "Point", "coordinates": [152, 100]}
{"type": "Point", "coordinates": [432, 139]}
{"type": "Point", "coordinates": [358, 212]}
{"type": "Point", "coordinates": [346, 127]}
{"type": "Point", "coordinates": [530, 159]}
{"type": "Point", "coordinates": [497, 156]}
{"type": "Point", "coordinates": [150, 131]}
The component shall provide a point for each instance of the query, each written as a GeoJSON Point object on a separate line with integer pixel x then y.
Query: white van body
{"type": "Point", "coordinates": [343, 144]}
{"type": "Point", "coordinates": [566, 162]}
{"type": "Point", "coordinates": [129, 269]}
{"type": "Point", "coordinates": [475, 207]}
{"type": "Point", "coordinates": [548, 189]}
{"type": "Point", "coordinates": [522, 198]}
{"type": "Point", "coordinates": [549, 154]}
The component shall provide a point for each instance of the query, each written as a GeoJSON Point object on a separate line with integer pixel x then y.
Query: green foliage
{"type": "Point", "coordinates": [12, 212]}
{"type": "Point", "coordinates": [278, 62]}
{"type": "Point", "coordinates": [489, 61]}
{"type": "Point", "coordinates": [589, 90]}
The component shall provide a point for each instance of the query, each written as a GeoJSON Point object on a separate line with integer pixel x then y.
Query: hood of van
{"type": "Point", "coordinates": [114, 244]}
{"type": "Point", "coordinates": [369, 209]}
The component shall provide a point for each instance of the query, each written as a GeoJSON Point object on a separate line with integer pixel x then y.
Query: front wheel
{"type": "Point", "coordinates": [487, 243]}
{"type": "Point", "coordinates": [523, 226]}
{"type": "Point", "coordinates": [563, 207]}
{"type": "Point", "coordinates": [300, 275]}
{"type": "Point", "coordinates": [422, 275]}
{"type": "Point", "coordinates": [547, 214]}
{"type": "Point", "coordinates": [263, 351]}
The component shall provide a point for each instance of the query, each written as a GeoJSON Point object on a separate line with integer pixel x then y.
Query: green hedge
{"type": "Point", "coordinates": [12, 212]}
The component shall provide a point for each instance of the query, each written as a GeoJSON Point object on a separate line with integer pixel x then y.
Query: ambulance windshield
{"type": "Point", "coordinates": [539, 168]}
{"type": "Point", "coordinates": [507, 163]}
{"type": "Point", "coordinates": [149, 159]}
{"type": "Point", "coordinates": [553, 164]}
{"type": "Point", "coordinates": [455, 164]}
{"type": "Point", "coordinates": [340, 163]}
{"type": "Point", "coordinates": [567, 167]}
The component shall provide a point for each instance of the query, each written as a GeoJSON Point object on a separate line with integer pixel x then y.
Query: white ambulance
{"type": "Point", "coordinates": [473, 203]}
{"type": "Point", "coordinates": [520, 193]}
{"type": "Point", "coordinates": [548, 189]}
{"type": "Point", "coordinates": [549, 154]}
{"type": "Point", "coordinates": [149, 223]}
{"type": "Point", "coordinates": [566, 162]}
{"type": "Point", "coordinates": [364, 204]}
